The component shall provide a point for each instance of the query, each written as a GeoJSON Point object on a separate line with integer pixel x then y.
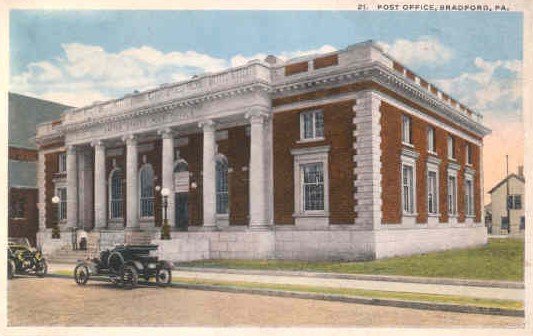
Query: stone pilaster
{"type": "Point", "coordinates": [367, 160]}
{"type": "Point", "coordinates": [258, 178]}
{"type": "Point", "coordinates": [132, 194]}
{"type": "Point", "coordinates": [100, 219]}
{"type": "Point", "coordinates": [41, 205]}
{"type": "Point", "coordinates": [208, 183]}
{"type": "Point", "coordinates": [72, 188]}
{"type": "Point", "coordinates": [168, 172]}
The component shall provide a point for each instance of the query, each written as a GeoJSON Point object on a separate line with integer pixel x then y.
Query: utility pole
{"type": "Point", "coordinates": [507, 198]}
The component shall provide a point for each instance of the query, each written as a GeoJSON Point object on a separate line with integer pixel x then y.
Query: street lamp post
{"type": "Point", "coordinates": [165, 230]}
{"type": "Point", "coordinates": [55, 229]}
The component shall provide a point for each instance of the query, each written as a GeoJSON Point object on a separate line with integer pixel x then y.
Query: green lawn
{"type": "Point", "coordinates": [501, 259]}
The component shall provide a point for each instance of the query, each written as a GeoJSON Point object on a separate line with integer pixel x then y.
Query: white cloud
{"type": "Point", "coordinates": [424, 50]}
{"type": "Point", "coordinates": [491, 86]}
{"type": "Point", "coordinates": [86, 73]}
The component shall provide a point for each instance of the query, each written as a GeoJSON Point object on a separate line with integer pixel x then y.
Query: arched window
{"type": "Point", "coordinates": [222, 185]}
{"type": "Point", "coordinates": [116, 194]}
{"type": "Point", "coordinates": [146, 176]}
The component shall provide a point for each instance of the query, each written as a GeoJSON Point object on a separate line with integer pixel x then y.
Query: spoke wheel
{"type": "Point", "coordinates": [163, 276]}
{"type": "Point", "coordinates": [81, 274]}
{"type": "Point", "coordinates": [129, 277]}
{"type": "Point", "coordinates": [41, 268]}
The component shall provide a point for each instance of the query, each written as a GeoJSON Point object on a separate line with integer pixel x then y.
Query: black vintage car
{"type": "Point", "coordinates": [124, 265]}
{"type": "Point", "coordinates": [24, 259]}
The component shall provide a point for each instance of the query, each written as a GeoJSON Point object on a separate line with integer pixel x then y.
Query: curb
{"type": "Point", "coordinates": [369, 277]}
{"type": "Point", "coordinates": [338, 298]}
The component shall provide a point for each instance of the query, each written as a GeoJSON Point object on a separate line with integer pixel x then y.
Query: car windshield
{"type": "Point", "coordinates": [19, 241]}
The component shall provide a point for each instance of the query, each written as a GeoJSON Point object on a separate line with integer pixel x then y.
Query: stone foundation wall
{"type": "Point", "coordinates": [333, 244]}
{"type": "Point", "coordinates": [403, 242]}
{"type": "Point", "coordinates": [49, 246]}
{"type": "Point", "coordinates": [324, 245]}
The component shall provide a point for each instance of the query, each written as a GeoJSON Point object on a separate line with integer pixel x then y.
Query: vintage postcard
{"type": "Point", "coordinates": [321, 165]}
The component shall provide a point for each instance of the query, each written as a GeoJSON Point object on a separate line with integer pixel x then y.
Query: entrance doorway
{"type": "Point", "coordinates": [182, 213]}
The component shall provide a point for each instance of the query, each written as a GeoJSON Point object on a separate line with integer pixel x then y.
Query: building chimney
{"type": "Point", "coordinates": [521, 171]}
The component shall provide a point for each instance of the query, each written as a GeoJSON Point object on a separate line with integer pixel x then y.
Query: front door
{"type": "Point", "coordinates": [182, 213]}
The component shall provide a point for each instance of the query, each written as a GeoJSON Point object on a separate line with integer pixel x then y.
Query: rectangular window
{"type": "Point", "coordinates": [62, 162]}
{"type": "Point", "coordinates": [468, 154]}
{"type": "Point", "coordinates": [18, 207]}
{"type": "Point", "coordinates": [432, 192]}
{"type": "Point", "coordinates": [452, 195]}
{"type": "Point", "coordinates": [517, 202]}
{"type": "Point", "coordinates": [311, 125]}
{"type": "Point", "coordinates": [431, 140]}
{"type": "Point", "coordinates": [62, 205]}
{"type": "Point", "coordinates": [406, 130]}
{"type": "Point", "coordinates": [451, 148]}
{"type": "Point", "coordinates": [313, 186]}
{"type": "Point", "coordinates": [469, 198]}
{"type": "Point", "coordinates": [407, 188]}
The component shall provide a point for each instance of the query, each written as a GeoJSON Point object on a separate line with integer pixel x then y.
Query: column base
{"type": "Point", "coordinates": [260, 227]}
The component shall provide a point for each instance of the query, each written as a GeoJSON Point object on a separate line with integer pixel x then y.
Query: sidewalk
{"type": "Point", "coordinates": [273, 277]}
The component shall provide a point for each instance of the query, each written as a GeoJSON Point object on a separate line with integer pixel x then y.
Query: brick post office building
{"type": "Point", "coordinates": [346, 155]}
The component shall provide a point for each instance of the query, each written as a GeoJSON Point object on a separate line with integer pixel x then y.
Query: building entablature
{"type": "Point", "coordinates": [230, 92]}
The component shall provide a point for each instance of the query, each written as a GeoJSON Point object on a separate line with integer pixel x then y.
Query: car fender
{"type": "Point", "coordinates": [137, 264]}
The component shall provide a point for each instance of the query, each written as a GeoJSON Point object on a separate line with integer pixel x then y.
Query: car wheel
{"type": "Point", "coordinates": [163, 276]}
{"type": "Point", "coordinates": [129, 277]}
{"type": "Point", "coordinates": [41, 268]}
{"type": "Point", "coordinates": [10, 269]}
{"type": "Point", "coordinates": [81, 274]}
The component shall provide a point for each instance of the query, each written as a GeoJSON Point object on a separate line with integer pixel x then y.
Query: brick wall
{"type": "Point", "coordinates": [391, 123]}
{"type": "Point", "coordinates": [27, 225]}
{"type": "Point", "coordinates": [338, 135]}
{"type": "Point", "coordinates": [22, 154]}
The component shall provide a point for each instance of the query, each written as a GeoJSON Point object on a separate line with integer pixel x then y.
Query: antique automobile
{"type": "Point", "coordinates": [24, 259]}
{"type": "Point", "coordinates": [125, 265]}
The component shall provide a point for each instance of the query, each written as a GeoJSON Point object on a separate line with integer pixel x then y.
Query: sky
{"type": "Point", "coordinates": [78, 57]}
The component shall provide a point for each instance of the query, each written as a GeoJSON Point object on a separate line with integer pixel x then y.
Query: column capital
{"type": "Point", "coordinates": [207, 125]}
{"type": "Point", "coordinates": [97, 143]}
{"type": "Point", "coordinates": [71, 149]}
{"type": "Point", "coordinates": [256, 115]}
{"type": "Point", "coordinates": [130, 139]}
{"type": "Point", "coordinates": [166, 133]}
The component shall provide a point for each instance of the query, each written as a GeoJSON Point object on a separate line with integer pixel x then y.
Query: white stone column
{"type": "Point", "coordinates": [72, 188]}
{"type": "Point", "coordinates": [208, 178]}
{"type": "Point", "coordinates": [167, 160]}
{"type": "Point", "coordinates": [132, 195]}
{"type": "Point", "coordinates": [257, 184]}
{"type": "Point", "coordinates": [100, 219]}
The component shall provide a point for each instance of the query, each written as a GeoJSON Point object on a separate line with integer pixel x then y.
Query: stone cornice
{"type": "Point", "coordinates": [387, 78]}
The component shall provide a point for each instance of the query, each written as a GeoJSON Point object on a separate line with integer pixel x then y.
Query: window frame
{"type": "Point", "coordinates": [468, 154]}
{"type": "Point", "coordinates": [146, 200]}
{"type": "Point", "coordinates": [61, 214]}
{"type": "Point", "coordinates": [407, 130]}
{"type": "Point", "coordinates": [451, 147]}
{"type": "Point", "coordinates": [302, 157]}
{"type": "Point", "coordinates": [411, 188]}
{"type": "Point", "coordinates": [431, 140]}
{"type": "Point", "coordinates": [452, 197]}
{"type": "Point", "coordinates": [18, 208]}
{"type": "Point", "coordinates": [314, 134]}
{"type": "Point", "coordinates": [221, 159]}
{"type": "Point", "coordinates": [62, 162]}
{"type": "Point", "coordinates": [469, 197]}
{"type": "Point", "coordinates": [433, 192]}
{"type": "Point", "coordinates": [303, 186]}
{"type": "Point", "coordinates": [113, 200]}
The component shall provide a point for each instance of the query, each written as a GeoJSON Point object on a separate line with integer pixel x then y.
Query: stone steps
{"type": "Point", "coordinates": [68, 257]}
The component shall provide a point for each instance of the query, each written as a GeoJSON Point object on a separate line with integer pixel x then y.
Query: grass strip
{"type": "Point", "coordinates": [403, 296]}
{"type": "Point", "coordinates": [500, 259]}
